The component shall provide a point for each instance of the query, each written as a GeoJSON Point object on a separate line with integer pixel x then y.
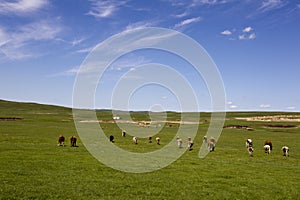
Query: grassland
{"type": "Point", "coordinates": [34, 167]}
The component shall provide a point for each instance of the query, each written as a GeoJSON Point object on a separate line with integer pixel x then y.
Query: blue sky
{"type": "Point", "coordinates": [254, 43]}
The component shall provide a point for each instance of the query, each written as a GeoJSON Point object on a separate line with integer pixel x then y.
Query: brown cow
{"type": "Point", "coordinates": [268, 142]}
{"type": "Point", "coordinates": [61, 141]}
{"type": "Point", "coordinates": [73, 141]}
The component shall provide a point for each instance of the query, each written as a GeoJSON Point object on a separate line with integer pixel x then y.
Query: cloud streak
{"type": "Point", "coordinates": [105, 8]}
{"type": "Point", "coordinates": [15, 44]}
{"type": "Point", "coordinates": [187, 21]}
{"type": "Point", "coordinates": [270, 5]}
{"type": "Point", "coordinates": [21, 7]}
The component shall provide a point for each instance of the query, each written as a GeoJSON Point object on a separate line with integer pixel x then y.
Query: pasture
{"type": "Point", "coordinates": [34, 167]}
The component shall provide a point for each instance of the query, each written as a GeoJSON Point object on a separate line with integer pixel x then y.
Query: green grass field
{"type": "Point", "coordinates": [34, 167]}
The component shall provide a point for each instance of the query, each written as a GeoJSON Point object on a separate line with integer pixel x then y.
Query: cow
{"type": "Point", "coordinates": [205, 139]}
{"type": "Point", "coordinates": [250, 151]}
{"type": "Point", "coordinates": [249, 143]}
{"type": "Point", "coordinates": [268, 142]}
{"type": "Point", "coordinates": [267, 149]}
{"type": "Point", "coordinates": [150, 139]}
{"type": "Point", "coordinates": [111, 138]}
{"type": "Point", "coordinates": [123, 133]}
{"type": "Point", "coordinates": [61, 140]}
{"type": "Point", "coordinates": [73, 141]}
{"type": "Point", "coordinates": [179, 142]}
{"type": "Point", "coordinates": [210, 146]}
{"type": "Point", "coordinates": [285, 151]}
{"type": "Point", "coordinates": [190, 143]}
{"type": "Point", "coordinates": [135, 140]}
{"type": "Point", "coordinates": [157, 140]}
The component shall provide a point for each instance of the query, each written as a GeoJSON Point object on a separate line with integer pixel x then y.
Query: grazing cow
{"type": "Point", "coordinates": [150, 139]}
{"type": "Point", "coordinates": [123, 133]}
{"type": "Point", "coordinates": [268, 142]}
{"type": "Point", "coordinates": [73, 141]}
{"type": "Point", "coordinates": [111, 138]}
{"type": "Point", "coordinates": [249, 143]}
{"type": "Point", "coordinates": [205, 139]}
{"type": "Point", "coordinates": [210, 146]}
{"type": "Point", "coordinates": [190, 143]}
{"type": "Point", "coordinates": [250, 151]}
{"type": "Point", "coordinates": [285, 151]}
{"type": "Point", "coordinates": [267, 149]}
{"type": "Point", "coordinates": [134, 140]}
{"type": "Point", "coordinates": [179, 142]}
{"type": "Point", "coordinates": [157, 140]}
{"type": "Point", "coordinates": [61, 141]}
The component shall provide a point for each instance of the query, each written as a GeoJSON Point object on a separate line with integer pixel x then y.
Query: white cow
{"type": "Point", "coordinates": [157, 140]}
{"type": "Point", "coordinates": [250, 151]}
{"type": "Point", "coordinates": [285, 151]}
{"type": "Point", "coordinates": [179, 142]}
{"type": "Point", "coordinates": [249, 143]}
{"type": "Point", "coordinates": [134, 140]}
{"type": "Point", "coordinates": [267, 149]}
{"type": "Point", "coordinates": [211, 146]}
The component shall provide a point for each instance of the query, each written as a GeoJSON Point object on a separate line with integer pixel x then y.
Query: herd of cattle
{"type": "Point", "coordinates": [268, 147]}
{"type": "Point", "coordinates": [210, 143]}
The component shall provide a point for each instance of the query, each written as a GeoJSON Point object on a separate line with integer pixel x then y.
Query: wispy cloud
{"type": "Point", "coordinates": [208, 2]}
{"type": "Point", "coordinates": [18, 40]}
{"type": "Point", "coordinates": [265, 106]}
{"type": "Point", "coordinates": [291, 108]}
{"type": "Point", "coordinates": [20, 7]}
{"type": "Point", "coordinates": [184, 14]}
{"type": "Point", "coordinates": [141, 24]}
{"type": "Point", "coordinates": [270, 5]}
{"type": "Point", "coordinates": [105, 8]}
{"type": "Point", "coordinates": [187, 21]}
{"type": "Point", "coordinates": [85, 50]}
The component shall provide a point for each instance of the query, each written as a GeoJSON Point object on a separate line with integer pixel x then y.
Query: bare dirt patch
{"type": "Point", "coordinates": [275, 118]}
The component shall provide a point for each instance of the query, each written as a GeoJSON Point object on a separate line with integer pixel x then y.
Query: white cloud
{"type": "Point", "coordinates": [20, 7]}
{"type": "Point", "coordinates": [247, 29]}
{"type": "Point", "coordinates": [105, 8]}
{"type": "Point", "coordinates": [226, 32]}
{"type": "Point", "coordinates": [270, 5]}
{"type": "Point", "coordinates": [252, 36]}
{"type": "Point", "coordinates": [233, 106]}
{"type": "Point", "coordinates": [265, 106]}
{"type": "Point", "coordinates": [187, 21]}
{"type": "Point", "coordinates": [242, 37]}
{"type": "Point", "coordinates": [229, 102]}
{"type": "Point", "coordinates": [164, 97]}
{"type": "Point", "coordinates": [291, 108]}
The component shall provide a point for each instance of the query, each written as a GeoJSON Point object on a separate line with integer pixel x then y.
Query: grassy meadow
{"type": "Point", "coordinates": [32, 166]}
